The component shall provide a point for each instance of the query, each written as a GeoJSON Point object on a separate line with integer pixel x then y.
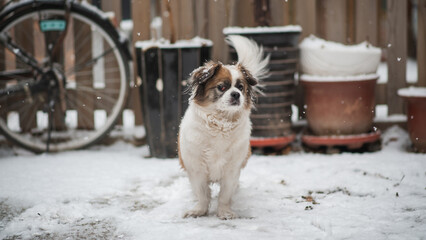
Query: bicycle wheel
{"type": "Point", "coordinates": [90, 69]}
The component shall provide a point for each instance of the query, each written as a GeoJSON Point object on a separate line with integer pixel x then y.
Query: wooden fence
{"type": "Point", "coordinates": [384, 23]}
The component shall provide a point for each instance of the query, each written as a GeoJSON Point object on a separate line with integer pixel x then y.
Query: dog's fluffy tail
{"type": "Point", "coordinates": [250, 55]}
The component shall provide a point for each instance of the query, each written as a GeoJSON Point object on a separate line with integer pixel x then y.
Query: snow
{"type": "Point", "coordinates": [327, 58]}
{"type": "Point", "coordinates": [411, 73]}
{"type": "Point", "coordinates": [412, 92]}
{"type": "Point", "coordinates": [115, 193]}
{"type": "Point", "coordinates": [318, 78]}
{"type": "Point", "coordinates": [163, 43]}
{"type": "Point", "coordinates": [258, 30]}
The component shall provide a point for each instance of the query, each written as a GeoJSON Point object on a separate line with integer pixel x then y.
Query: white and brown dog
{"type": "Point", "coordinates": [215, 131]}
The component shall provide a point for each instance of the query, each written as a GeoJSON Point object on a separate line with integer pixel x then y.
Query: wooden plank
{"type": "Point", "coordinates": [331, 20]}
{"type": "Point", "coordinates": [186, 19]}
{"type": "Point", "coordinates": [201, 18]}
{"type": "Point", "coordinates": [217, 11]}
{"type": "Point", "coordinates": [421, 43]}
{"type": "Point", "coordinates": [113, 6]}
{"type": "Point", "coordinates": [396, 54]}
{"type": "Point", "coordinates": [305, 16]}
{"type": "Point", "coordinates": [366, 21]}
{"type": "Point", "coordinates": [141, 20]}
{"type": "Point", "coordinates": [24, 38]}
{"type": "Point", "coordinates": [141, 31]}
{"type": "Point", "coordinates": [85, 101]}
{"type": "Point", "coordinates": [350, 21]}
{"type": "Point", "coordinates": [245, 13]}
{"type": "Point", "coordinates": [170, 16]}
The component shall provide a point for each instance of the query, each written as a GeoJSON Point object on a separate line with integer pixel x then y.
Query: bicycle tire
{"type": "Point", "coordinates": [94, 21]}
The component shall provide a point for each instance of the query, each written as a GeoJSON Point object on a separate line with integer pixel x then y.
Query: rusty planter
{"type": "Point", "coordinates": [416, 118]}
{"type": "Point", "coordinates": [339, 107]}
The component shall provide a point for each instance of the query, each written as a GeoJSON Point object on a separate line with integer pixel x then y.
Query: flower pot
{"type": "Point", "coordinates": [272, 116]}
{"type": "Point", "coordinates": [415, 98]}
{"type": "Point", "coordinates": [339, 105]}
{"type": "Point", "coordinates": [164, 69]}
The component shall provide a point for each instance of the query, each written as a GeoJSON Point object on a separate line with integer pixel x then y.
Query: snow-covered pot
{"type": "Point", "coordinates": [326, 58]}
{"type": "Point", "coordinates": [339, 105]}
{"type": "Point", "coordinates": [415, 98]}
{"type": "Point", "coordinates": [164, 69]}
{"type": "Point", "coordinates": [272, 116]}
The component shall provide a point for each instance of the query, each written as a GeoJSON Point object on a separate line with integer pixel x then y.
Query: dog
{"type": "Point", "coordinates": [214, 135]}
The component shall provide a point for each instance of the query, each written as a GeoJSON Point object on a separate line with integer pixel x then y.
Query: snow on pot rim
{"type": "Point", "coordinates": [319, 78]}
{"type": "Point", "coordinates": [326, 58]}
{"type": "Point", "coordinates": [260, 30]}
{"type": "Point", "coordinates": [419, 92]}
{"type": "Point", "coordinates": [195, 42]}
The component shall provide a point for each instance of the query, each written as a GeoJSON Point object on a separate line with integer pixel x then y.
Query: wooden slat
{"type": "Point", "coordinates": [331, 20]}
{"type": "Point", "coordinates": [141, 31]}
{"type": "Point", "coordinates": [84, 77]}
{"type": "Point", "coordinates": [171, 26]}
{"type": "Point", "coordinates": [217, 21]}
{"type": "Point", "coordinates": [24, 38]}
{"type": "Point", "coordinates": [305, 16]}
{"type": "Point", "coordinates": [397, 53]}
{"type": "Point", "coordinates": [366, 20]}
{"type": "Point", "coordinates": [244, 13]}
{"type": "Point", "coordinates": [141, 20]}
{"type": "Point", "coordinates": [113, 6]}
{"type": "Point", "coordinates": [421, 43]}
{"type": "Point", "coordinates": [201, 18]}
{"type": "Point", "coordinates": [186, 19]}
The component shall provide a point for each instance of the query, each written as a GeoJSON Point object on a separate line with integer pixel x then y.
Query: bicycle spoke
{"type": "Point", "coordinates": [18, 51]}
{"type": "Point", "coordinates": [80, 66]}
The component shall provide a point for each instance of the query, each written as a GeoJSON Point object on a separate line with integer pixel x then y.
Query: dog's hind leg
{"type": "Point", "coordinates": [201, 190]}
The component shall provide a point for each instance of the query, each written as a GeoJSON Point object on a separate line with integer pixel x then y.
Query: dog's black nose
{"type": "Point", "coordinates": [235, 95]}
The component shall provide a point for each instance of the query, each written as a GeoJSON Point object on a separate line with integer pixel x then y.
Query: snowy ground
{"type": "Point", "coordinates": [115, 193]}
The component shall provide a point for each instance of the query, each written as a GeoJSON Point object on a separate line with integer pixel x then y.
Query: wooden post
{"type": "Point", "coordinates": [186, 19]}
{"type": "Point", "coordinates": [397, 53]}
{"type": "Point", "coordinates": [217, 21]}
{"type": "Point", "coordinates": [244, 13]}
{"type": "Point", "coordinates": [305, 16]}
{"type": "Point", "coordinates": [421, 43]}
{"type": "Point", "coordinates": [331, 21]}
{"type": "Point", "coordinates": [141, 31]}
{"type": "Point", "coordinates": [366, 21]}
{"type": "Point", "coordinates": [113, 6]}
{"type": "Point", "coordinates": [170, 16]}
{"type": "Point", "coordinates": [201, 18]}
{"type": "Point", "coordinates": [84, 77]}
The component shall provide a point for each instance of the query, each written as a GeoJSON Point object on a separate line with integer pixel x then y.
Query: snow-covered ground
{"type": "Point", "coordinates": [115, 193]}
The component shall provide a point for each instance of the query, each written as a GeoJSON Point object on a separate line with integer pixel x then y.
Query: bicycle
{"type": "Point", "coordinates": [64, 74]}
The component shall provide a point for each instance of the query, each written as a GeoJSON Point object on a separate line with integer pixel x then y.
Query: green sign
{"type": "Point", "coordinates": [52, 25]}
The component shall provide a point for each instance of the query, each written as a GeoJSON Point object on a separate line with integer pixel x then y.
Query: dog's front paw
{"type": "Point", "coordinates": [196, 212]}
{"type": "Point", "coordinates": [226, 214]}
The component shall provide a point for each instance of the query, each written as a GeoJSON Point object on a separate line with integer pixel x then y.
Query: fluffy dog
{"type": "Point", "coordinates": [215, 130]}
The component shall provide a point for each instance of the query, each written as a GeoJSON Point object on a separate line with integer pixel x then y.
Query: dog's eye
{"type": "Point", "coordinates": [221, 87]}
{"type": "Point", "coordinates": [240, 87]}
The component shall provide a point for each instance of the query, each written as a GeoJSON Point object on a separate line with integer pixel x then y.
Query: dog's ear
{"type": "Point", "coordinates": [247, 75]}
{"type": "Point", "coordinates": [200, 76]}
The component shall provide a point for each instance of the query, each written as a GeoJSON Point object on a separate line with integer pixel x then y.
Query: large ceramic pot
{"type": "Point", "coordinates": [272, 116]}
{"type": "Point", "coordinates": [339, 105]}
{"type": "Point", "coordinates": [164, 69]}
{"type": "Point", "coordinates": [415, 98]}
